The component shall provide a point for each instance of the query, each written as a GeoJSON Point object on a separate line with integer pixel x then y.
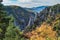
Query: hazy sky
{"type": "Point", "coordinates": [30, 3]}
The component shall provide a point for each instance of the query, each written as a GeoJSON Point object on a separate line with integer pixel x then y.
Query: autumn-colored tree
{"type": "Point", "coordinates": [44, 32]}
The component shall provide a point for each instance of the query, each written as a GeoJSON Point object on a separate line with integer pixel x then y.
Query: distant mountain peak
{"type": "Point", "coordinates": [36, 9]}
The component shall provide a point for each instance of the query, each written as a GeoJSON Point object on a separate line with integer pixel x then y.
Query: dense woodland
{"type": "Point", "coordinates": [46, 29]}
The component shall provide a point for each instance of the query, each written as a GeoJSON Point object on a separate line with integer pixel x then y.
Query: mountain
{"type": "Point", "coordinates": [36, 9]}
{"type": "Point", "coordinates": [48, 14]}
{"type": "Point", "coordinates": [22, 17]}
{"type": "Point", "coordinates": [32, 16]}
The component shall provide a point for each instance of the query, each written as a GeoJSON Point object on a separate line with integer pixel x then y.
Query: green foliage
{"type": "Point", "coordinates": [57, 27]}
{"type": "Point", "coordinates": [48, 38]}
{"type": "Point", "coordinates": [4, 21]}
{"type": "Point", "coordinates": [48, 20]}
{"type": "Point", "coordinates": [7, 29]}
{"type": "Point", "coordinates": [56, 8]}
{"type": "Point", "coordinates": [13, 32]}
{"type": "Point", "coordinates": [0, 30]}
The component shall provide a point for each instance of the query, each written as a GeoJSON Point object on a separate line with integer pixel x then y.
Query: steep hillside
{"type": "Point", "coordinates": [22, 16]}
{"type": "Point", "coordinates": [43, 32]}
{"type": "Point", "coordinates": [48, 21]}
{"type": "Point", "coordinates": [48, 13]}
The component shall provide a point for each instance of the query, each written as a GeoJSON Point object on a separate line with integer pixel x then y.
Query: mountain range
{"type": "Point", "coordinates": [29, 16]}
{"type": "Point", "coordinates": [36, 9]}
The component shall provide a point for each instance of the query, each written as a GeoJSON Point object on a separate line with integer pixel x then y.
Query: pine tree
{"type": "Point", "coordinates": [13, 32]}
{"type": "Point", "coordinates": [4, 21]}
{"type": "Point", "coordinates": [7, 29]}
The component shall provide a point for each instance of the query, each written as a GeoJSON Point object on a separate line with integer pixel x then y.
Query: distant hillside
{"type": "Point", "coordinates": [36, 9]}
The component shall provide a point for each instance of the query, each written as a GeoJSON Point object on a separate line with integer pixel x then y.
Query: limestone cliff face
{"type": "Point", "coordinates": [50, 11]}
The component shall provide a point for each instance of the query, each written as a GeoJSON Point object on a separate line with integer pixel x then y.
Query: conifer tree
{"type": "Point", "coordinates": [4, 21]}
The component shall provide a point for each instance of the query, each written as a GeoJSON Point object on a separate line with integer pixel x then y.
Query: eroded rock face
{"type": "Point", "coordinates": [22, 17]}
{"type": "Point", "coordinates": [48, 11]}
